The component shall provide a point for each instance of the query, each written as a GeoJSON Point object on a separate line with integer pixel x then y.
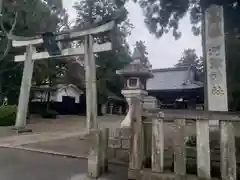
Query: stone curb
{"type": "Point", "coordinates": [54, 153]}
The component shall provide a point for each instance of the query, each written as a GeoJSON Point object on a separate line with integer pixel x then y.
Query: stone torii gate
{"type": "Point", "coordinates": [54, 41]}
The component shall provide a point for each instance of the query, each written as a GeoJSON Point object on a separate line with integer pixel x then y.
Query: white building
{"type": "Point", "coordinates": [57, 93]}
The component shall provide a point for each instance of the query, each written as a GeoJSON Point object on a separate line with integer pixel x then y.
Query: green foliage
{"type": "Point", "coordinates": [88, 12]}
{"type": "Point", "coordinates": [107, 80]}
{"type": "Point", "coordinates": [233, 66]}
{"type": "Point", "coordinates": [7, 115]}
{"type": "Point", "coordinates": [34, 16]}
{"type": "Point", "coordinates": [163, 16]}
{"type": "Point", "coordinates": [140, 45]}
{"type": "Point", "coordinates": [190, 58]}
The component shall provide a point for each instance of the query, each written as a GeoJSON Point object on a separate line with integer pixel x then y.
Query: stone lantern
{"type": "Point", "coordinates": [135, 77]}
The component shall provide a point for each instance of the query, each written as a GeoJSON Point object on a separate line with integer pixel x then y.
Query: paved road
{"type": "Point", "coordinates": [24, 165]}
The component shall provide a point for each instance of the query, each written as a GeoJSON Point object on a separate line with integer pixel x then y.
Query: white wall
{"type": "Point", "coordinates": [69, 91]}
{"type": "Point", "coordinates": [43, 96]}
{"type": "Point", "coordinates": [57, 96]}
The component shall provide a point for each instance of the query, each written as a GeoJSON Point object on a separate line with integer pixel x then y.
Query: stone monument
{"type": "Point", "coordinates": [217, 99]}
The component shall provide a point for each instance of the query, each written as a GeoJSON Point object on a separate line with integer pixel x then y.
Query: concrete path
{"type": "Point", "coordinates": [17, 163]}
{"type": "Point", "coordinates": [61, 128]}
{"type": "Point", "coordinates": [70, 123]}
{"type": "Point", "coordinates": [60, 137]}
{"type": "Point", "coordinates": [18, 140]}
{"type": "Point", "coordinates": [24, 165]}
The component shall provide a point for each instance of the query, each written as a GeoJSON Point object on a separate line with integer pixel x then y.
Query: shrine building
{"type": "Point", "coordinates": [176, 88]}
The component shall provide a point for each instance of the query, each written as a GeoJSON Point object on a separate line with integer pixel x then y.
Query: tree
{"type": "Point", "coordinates": [190, 58]}
{"type": "Point", "coordinates": [233, 78]}
{"type": "Point", "coordinates": [74, 72]}
{"type": "Point", "coordinates": [163, 16]}
{"type": "Point", "coordinates": [34, 16]}
{"type": "Point", "coordinates": [90, 12]}
{"type": "Point", "coordinates": [140, 45]}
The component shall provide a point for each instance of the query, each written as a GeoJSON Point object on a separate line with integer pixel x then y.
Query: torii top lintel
{"type": "Point", "coordinates": [19, 41]}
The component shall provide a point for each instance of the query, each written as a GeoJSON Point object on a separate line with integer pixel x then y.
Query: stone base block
{"type": "Point", "coordinates": [93, 169]}
{"type": "Point", "coordinates": [94, 157]}
{"type": "Point", "coordinates": [22, 130]}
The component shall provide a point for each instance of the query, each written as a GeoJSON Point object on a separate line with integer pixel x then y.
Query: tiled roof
{"type": "Point", "coordinates": [173, 79]}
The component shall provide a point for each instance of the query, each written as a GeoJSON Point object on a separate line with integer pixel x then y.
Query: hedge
{"type": "Point", "coordinates": [8, 115]}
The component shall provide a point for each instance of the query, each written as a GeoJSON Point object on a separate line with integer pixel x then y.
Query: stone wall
{"type": "Point", "coordinates": [119, 144]}
{"type": "Point", "coordinates": [120, 141]}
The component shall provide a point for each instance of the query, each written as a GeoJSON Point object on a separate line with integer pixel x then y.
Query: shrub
{"type": "Point", "coordinates": [8, 115]}
{"type": "Point", "coordinates": [48, 113]}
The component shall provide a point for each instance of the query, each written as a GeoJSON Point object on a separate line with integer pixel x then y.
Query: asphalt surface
{"type": "Point", "coordinates": [24, 165]}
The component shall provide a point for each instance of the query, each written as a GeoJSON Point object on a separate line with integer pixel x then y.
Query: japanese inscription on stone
{"type": "Point", "coordinates": [216, 67]}
{"type": "Point", "coordinates": [216, 63]}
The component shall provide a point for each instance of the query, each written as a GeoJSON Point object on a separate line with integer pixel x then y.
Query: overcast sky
{"type": "Point", "coordinates": [163, 52]}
